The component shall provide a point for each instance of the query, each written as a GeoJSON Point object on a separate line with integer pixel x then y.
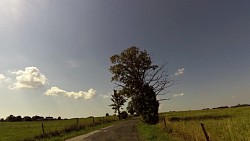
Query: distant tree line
{"type": "Point", "coordinates": [12, 118]}
{"type": "Point", "coordinates": [223, 107]}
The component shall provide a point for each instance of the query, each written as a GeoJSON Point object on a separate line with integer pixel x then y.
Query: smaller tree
{"type": "Point", "coordinates": [27, 118]}
{"type": "Point", "coordinates": [18, 118]}
{"type": "Point", "coordinates": [118, 101]}
{"type": "Point", "coordinates": [35, 118]}
{"type": "Point", "coordinates": [107, 114]}
{"type": "Point", "coordinates": [11, 118]}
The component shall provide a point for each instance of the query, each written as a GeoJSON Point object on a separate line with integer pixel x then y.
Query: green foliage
{"type": "Point", "coordinates": [149, 109]}
{"type": "Point", "coordinates": [130, 67]}
{"type": "Point", "coordinates": [11, 118]}
{"type": "Point", "coordinates": [27, 118]}
{"type": "Point", "coordinates": [151, 133]}
{"type": "Point", "coordinates": [130, 108]}
{"type": "Point", "coordinates": [139, 79]}
{"type": "Point", "coordinates": [118, 101]}
{"type": "Point", "coordinates": [124, 115]}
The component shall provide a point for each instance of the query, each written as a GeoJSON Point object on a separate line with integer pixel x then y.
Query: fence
{"type": "Point", "coordinates": [207, 136]}
{"type": "Point", "coordinates": [24, 130]}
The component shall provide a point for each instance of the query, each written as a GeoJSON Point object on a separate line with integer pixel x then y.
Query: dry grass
{"type": "Point", "coordinates": [231, 124]}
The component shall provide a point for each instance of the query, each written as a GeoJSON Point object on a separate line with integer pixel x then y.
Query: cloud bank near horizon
{"type": "Point", "coordinates": [180, 94]}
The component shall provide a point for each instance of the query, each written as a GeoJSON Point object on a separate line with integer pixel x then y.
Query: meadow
{"type": "Point", "coordinates": [53, 130]}
{"type": "Point", "coordinates": [228, 124]}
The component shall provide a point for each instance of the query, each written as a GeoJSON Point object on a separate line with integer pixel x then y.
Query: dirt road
{"type": "Point", "coordinates": [123, 131]}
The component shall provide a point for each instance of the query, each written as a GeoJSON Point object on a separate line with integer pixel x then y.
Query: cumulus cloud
{"type": "Point", "coordinates": [2, 78]}
{"type": "Point", "coordinates": [180, 94]}
{"type": "Point", "coordinates": [55, 91]}
{"type": "Point", "coordinates": [29, 78]}
{"type": "Point", "coordinates": [179, 71]}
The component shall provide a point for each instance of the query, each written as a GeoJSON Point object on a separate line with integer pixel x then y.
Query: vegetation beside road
{"type": "Point", "coordinates": [53, 130]}
{"type": "Point", "coordinates": [229, 124]}
{"type": "Point", "coordinates": [149, 132]}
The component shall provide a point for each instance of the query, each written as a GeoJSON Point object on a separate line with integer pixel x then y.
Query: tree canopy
{"type": "Point", "coordinates": [139, 79]}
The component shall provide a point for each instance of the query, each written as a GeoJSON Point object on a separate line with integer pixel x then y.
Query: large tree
{"type": "Point", "coordinates": [137, 77]}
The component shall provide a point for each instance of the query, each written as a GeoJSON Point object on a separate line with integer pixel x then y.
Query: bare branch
{"type": "Point", "coordinates": [155, 73]}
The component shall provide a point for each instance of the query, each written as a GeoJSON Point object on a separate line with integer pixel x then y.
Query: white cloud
{"type": "Point", "coordinates": [29, 78]}
{"type": "Point", "coordinates": [179, 71]}
{"type": "Point", "coordinates": [105, 96]}
{"type": "Point", "coordinates": [55, 91]}
{"type": "Point", "coordinates": [180, 94]}
{"type": "Point", "coordinates": [2, 78]}
{"type": "Point", "coordinates": [4, 81]}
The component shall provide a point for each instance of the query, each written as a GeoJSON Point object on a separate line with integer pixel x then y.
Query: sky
{"type": "Point", "coordinates": [54, 55]}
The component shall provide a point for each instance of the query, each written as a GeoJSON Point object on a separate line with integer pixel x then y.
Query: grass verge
{"type": "Point", "coordinates": [65, 136]}
{"type": "Point", "coordinates": [148, 132]}
{"type": "Point", "coordinates": [229, 124]}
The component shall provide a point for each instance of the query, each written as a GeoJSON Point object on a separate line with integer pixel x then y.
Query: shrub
{"type": "Point", "coordinates": [123, 115]}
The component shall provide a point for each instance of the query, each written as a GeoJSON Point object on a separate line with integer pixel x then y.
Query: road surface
{"type": "Point", "coordinates": [123, 131]}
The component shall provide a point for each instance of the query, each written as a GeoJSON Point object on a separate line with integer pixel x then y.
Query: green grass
{"type": "Point", "coordinates": [86, 130]}
{"type": "Point", "coordinates": [230, 124]}
{"type": "Point", "coordinates": [14, 131]}
{"type": "Point", "coordinates": [151, 133]}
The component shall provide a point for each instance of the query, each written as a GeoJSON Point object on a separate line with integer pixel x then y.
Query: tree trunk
{"type": "Point", "coordinates": [119, 113]}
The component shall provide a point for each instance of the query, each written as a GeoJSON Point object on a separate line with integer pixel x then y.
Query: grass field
{"type": "Point", "coordinates": [230, 124]}
{"type": "Point", "coordinates": [14, 131]}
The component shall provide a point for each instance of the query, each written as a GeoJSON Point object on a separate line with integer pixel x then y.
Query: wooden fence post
{"type": "Point", "coordinates": [205, 132]}
{"type": "Point", "coordinates": [93, 119]}
{"type": "Point", "coordinates": [165, 125]}
{"type": "Point", "coordinates": [43, 128]}
{"type": "Point", "coordinates": [77, 121]}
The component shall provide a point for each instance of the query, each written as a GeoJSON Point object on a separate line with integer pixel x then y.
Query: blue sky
{"type": "Point", "coordinates": [54, 56]}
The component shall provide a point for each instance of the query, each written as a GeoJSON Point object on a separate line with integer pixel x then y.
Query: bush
{"type": "Point", "coordinates": [123, 115]}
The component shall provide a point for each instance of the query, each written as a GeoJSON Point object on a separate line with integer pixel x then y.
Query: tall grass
{"type": "Point", "coordinates": [231, 124]}
{"type": "Point", "coordinates": [151, 133]}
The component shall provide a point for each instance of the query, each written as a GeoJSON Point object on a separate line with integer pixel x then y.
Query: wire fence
{"type": "Point", "coordinates": [24, 130]}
